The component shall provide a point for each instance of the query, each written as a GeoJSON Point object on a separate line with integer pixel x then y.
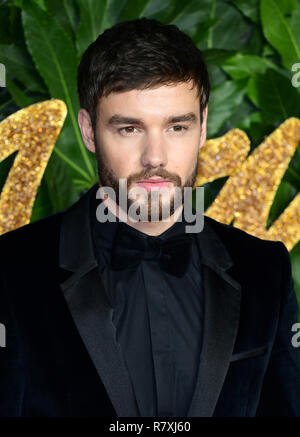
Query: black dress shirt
{"type": "Point", "coordinates": [158, 320]}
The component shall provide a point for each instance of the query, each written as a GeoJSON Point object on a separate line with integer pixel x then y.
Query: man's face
{"type": "Point", "coordinates": [148, 135]}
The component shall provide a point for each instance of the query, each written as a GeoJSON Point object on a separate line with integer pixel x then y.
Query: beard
{"type": "Point", "coordinates": [107, 178]}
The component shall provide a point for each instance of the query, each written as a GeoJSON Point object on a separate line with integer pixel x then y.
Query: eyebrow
{"type": "Point", "coordinates": [117, 119]}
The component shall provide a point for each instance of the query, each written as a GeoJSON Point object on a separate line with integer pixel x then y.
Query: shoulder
{"type": "Point", "coordinates": [248, 250]}
{"type": "Point", "coordinates": [46, 231]}
{"type": "Point", "coordinates": [31, 238]}
{"type": "Point", "coordinates": [262, 267]}
{"type": "Point", "coordinates": [235, 237]}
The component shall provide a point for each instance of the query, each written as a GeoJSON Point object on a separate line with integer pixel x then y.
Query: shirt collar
{"type": "Point", "coordinates": [76, 246]}
{"type": "Point", "coordinates": [104, 233]}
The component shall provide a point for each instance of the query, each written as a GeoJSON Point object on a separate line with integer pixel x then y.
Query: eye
{"type": "Point", "coordinates": [181, 128]}
{"type": "Point", "coordinates": [127, 130]}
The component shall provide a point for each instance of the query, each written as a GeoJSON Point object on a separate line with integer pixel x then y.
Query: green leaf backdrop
{"type": "Point", "coordinates": [250, 47]}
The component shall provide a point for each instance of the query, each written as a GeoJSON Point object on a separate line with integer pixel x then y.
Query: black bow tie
{"type": "Point", "coordinates": [173, 254]}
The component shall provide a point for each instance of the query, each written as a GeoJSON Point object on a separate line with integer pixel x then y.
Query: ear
{"type": "Point", "coordinates": [203, 128]}
{"type": "Point", "coordinates": [85, 124]}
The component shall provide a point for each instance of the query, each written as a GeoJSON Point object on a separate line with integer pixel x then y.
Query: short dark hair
{"type": "Point", "coordinates": [139, 54]}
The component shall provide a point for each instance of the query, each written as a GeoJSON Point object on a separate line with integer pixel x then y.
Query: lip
{"type": "Point", "coordinates": [151, 181]}
{"type": "Point", "coordinates": [153, 184]}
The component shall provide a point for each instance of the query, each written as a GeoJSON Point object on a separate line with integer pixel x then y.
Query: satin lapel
{"type": "Point", "coordinates": [92, 314]}
{"type": "Point", "coordinates": [221, 317]}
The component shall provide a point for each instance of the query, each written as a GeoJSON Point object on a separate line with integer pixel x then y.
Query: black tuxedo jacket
{"type": "Point", "coordinates": [61, 357]}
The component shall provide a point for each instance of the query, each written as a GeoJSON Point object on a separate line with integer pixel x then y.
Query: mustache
{"type": "Point", "coordinates": [149, 173]}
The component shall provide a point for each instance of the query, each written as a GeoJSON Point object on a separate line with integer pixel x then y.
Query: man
{"type": "Point", "coordinates": [141, 318]}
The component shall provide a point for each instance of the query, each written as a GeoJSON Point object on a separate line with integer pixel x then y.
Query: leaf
{"type": "Point", "coordinates": [4, 24]}
{"type": "Point", "coordinates": [295, 261]}
{"type": "Point", "coordinates": [65, 12]}
{"type": "Point", "coordinates": [249, 8]}
{"type": "Point", "coordinates": [60, 186]}
{"type": "Point", "coordinates": [94, 19]}
{"type": "Point", "coordinates": [256, 42]}
{"type": "Point", "coordinates": [214, 59]}
{"type": "Point", "coordinates": [211, 191]}
{"type": "Point", "coordinates": [292, 174]}
{"type": "Point", "coordinates": [232, 32]}
{"type": "Point", "coordinates": [42, 206]}
{"type": "Point", "coordinates": [256, 127]}
{"type": "Point", "coordinates": [287, 6]}
{"type": "Point", "coordinates": [274, 95]}
{"type": "Point", "coordinates": [281, 30]}
{"type": "Point", "coordinates": [57, 190]}
{"type": "Point", "coordinates": [3, 106]}
{"type": "Point", "coordinates": [224, 101]}
{"type": "Point", "coordinates": [134, 9]}
{"type": "Point", "coordinates": [216, 56]}
{"type": "Point", "coordinates": [203, 30]}
{"type": "Point", "coordinates": [242, 66]}
{"type": "Point", "coordinates": [242, 112]}
{"type": "Point", "coordinates": [40, 3]}
{"type": "Point", "coordinates": [284, 195]}
{"type": "Point", "coordinates": [19, 96]}
{"type": "Point", "coordinates": [268, 51]}
{"type": "Point", "coordinates": [55, 57]}
{"type": "Point", "coordinates": [188, 16]}
{"type": "Point", "coordinates": [71, 155]}
{"type": "Point", "coordinates": [13, 26]}
{"type": "Point", "coordinates": [5, 166]}
{"type": "Point", "coordinates": [115, 9]}
{"type": "Point", "coordinates": [19, 64]}
{"type": "Point", "coordinates": [7, 105]}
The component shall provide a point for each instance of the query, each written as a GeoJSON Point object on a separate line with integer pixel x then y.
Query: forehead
{"type": "Point", "coordinates": [159, 100]}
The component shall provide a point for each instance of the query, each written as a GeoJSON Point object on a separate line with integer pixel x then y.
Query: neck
{"type": "Point", "coordinates": [149, 228]}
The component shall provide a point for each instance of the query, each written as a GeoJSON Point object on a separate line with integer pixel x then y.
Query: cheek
{"type": "Point", "coordinates": [110, 152]}
{"type": "Point", "coordinates": [121, 164]}
{"type": "Point", "coordinates": [185, 150]}
{"type": "Point", "coordinates": [184, 161]}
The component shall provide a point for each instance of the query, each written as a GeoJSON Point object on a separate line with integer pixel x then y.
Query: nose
{"type": "Point", "coordinates": [154, 151]}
